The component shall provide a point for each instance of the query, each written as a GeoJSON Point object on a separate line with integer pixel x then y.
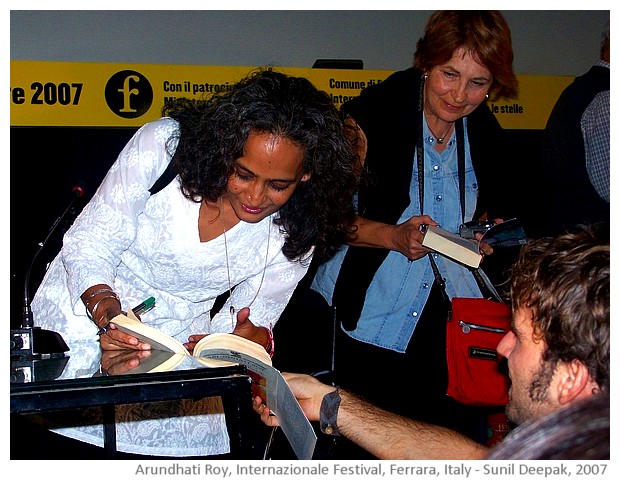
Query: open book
{"type": "Point", "coordinates": [221, 349]}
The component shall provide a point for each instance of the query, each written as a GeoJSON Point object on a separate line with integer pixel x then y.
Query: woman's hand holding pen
{"type": "Point", "coordinates": [112, 338]}
{"type": "Point", "coordinates": [103, 304]}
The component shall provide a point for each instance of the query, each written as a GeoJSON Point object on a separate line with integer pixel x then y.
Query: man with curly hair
{"type": "Point", "coordinates": [557, 353]}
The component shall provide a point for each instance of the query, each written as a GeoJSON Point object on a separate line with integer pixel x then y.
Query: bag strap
{"type": "Point", "coordinates": [486, 288]}
{"type": "Point", "coordinates": [164, 179]}
{"type": "Point", "coordinates": [162, 182]}
{"type": "Point", "coordinates": [441, 282]}
{"type": "Point", "coordinates": [488, 291]}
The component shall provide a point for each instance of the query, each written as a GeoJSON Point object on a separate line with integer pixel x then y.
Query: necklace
{"type": "Point", "coordinates": [443, 137]}
{"type": "Point", "coordinates": [440, 139]}
{"type": "Point", "coordinates": [232, 308]}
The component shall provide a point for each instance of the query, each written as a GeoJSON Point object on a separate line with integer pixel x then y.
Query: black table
{"type": "Point", "coordinates": [36, 388]}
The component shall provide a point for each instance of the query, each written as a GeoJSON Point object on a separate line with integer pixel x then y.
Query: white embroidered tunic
{"type": "Point", "coordinates": [144, 246]}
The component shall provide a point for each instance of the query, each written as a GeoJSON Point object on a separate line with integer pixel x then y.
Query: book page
{"type": "Point", "coordinates": [147, 334]}
{"type": "Point", "coordinates": [270, 385]}
{"type": "Point", "coordinates": [263, 375]}
{"type": "Point", "coordinates": [234, 343]}
{"type": "Point", "coordinates": [293, 420]}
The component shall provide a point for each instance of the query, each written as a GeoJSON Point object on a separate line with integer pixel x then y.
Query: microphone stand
{"type": "Point", "coordinates": [29, 340]}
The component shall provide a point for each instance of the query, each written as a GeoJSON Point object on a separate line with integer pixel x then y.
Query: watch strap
{"type": "Point", "coordinates": [329, 413]}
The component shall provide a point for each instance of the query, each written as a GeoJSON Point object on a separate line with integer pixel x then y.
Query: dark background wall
{"type": "Point", "coordinates": [47, 162]}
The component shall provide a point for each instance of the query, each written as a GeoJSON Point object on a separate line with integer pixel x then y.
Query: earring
{"type": "Point", "coordinates": [487, 95]}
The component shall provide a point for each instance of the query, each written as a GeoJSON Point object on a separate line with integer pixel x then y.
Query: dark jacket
{"type": "Point", "coordinates": [568, 195]}
{"type": "Point", "coordinates": [388, 114]}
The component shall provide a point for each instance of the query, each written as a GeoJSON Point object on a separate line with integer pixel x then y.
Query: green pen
{"type": "Point", "coordinates": [144, 307]}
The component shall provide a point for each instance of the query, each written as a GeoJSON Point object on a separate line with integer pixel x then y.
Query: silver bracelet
{"type": "Point", "coordinates": [97, 292]}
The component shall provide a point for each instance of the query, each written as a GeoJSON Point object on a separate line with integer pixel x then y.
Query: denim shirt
{"type": "Point", "coordinates": [400, 288]}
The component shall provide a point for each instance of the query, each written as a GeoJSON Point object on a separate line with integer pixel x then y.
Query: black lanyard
{"type": "Point", "coordinates": [460, 152]}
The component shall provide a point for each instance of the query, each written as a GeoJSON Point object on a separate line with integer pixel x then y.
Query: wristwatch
{"type": "Point", "coordinates": [329, 413]}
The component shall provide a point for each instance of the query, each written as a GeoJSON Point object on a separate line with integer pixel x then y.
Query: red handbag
{"type": "Point", "coordinates": [474, 330]}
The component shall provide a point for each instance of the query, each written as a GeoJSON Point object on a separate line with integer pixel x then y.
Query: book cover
{"type": "Point", "coordinates": [452, 245]}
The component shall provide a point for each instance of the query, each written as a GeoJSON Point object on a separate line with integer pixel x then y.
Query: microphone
{"type": "Point", "coordinates": [28, 339]}
{"type": "Point", "coordinates": [78, 191]}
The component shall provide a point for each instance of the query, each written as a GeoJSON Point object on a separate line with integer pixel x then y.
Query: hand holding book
{"type": "Point", "coordinates": [223, 349]}
{"type": "Point", "coordinates": [467, 250]}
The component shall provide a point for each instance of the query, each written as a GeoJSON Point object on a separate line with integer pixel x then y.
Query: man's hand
{"type": "Point", "coordinates": [308, 391]}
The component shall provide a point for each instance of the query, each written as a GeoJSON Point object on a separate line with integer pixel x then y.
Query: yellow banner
{"type": "Point", "coordinates": [129, 95]}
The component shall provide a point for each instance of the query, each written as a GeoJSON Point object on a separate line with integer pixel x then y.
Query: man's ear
{"type": "Point", "coordinates": [574, 382]}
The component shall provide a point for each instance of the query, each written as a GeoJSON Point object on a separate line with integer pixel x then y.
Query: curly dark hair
{"type": "Point", "coordinates": [565, 281]}
{"type": "Point", "coordinates": [213, 132]}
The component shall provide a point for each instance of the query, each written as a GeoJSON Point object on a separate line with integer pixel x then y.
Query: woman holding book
{"type": "Point", "coordinates": [261, 178]}
{"type": "Point", "coordinates": [415, 126]}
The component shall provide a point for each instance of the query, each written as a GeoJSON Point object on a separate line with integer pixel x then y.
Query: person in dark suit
{"type": "Point", "coordinates": [575, 179]}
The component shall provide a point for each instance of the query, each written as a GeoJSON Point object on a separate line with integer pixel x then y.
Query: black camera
{"type": "Point", "coordinates": [469, 229]}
